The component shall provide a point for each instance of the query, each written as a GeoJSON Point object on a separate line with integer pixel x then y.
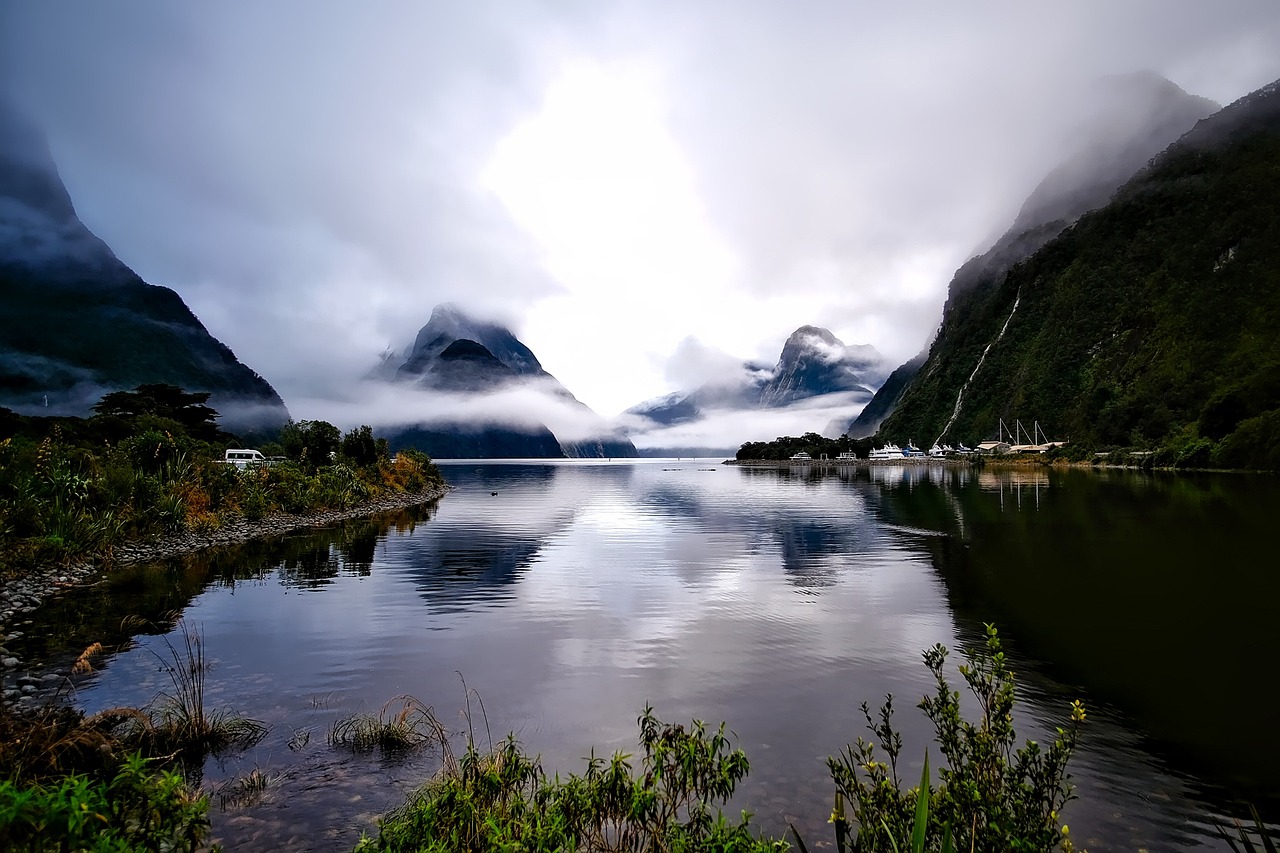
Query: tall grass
{"type": "Point", "coordinates": [181, 722]}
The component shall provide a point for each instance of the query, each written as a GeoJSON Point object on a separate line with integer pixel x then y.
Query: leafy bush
{"type": "Point", "coordinates": [992, 796]}
{"type": "Point", "coordinates": [135, 810]}
{"type": "Point", "coordinates": [503, 800]}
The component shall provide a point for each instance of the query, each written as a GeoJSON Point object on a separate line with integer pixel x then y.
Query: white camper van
{"type": "Point", "coordinates": [244, 458]}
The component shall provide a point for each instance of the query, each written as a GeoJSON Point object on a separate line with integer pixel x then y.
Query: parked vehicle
{"type": "Point", "coordinates": [244, 458]}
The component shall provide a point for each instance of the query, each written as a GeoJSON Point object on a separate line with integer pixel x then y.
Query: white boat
{"type": "Point", "coordinates": [802, 457]}
{"type": "Point", "coordinates": [889, 451]}
{"type": "Point", "coordinates": [912, 450]}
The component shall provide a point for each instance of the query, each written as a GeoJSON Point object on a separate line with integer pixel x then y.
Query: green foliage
{"type": "Point", "coordinates": [162, 401]}
{"type": "Point", "coordinates": [784, 447]}
{"type": "Point", "coordinates": [1149, 324]}
{"type": "Point", "coordinates": [502, 800]}
{"type": "Point", "coordinates": [310, 443]}
{"type": "Point", "coordinates": [136, 810]}
{"type": "Point", "coordinates": [72, 489]}
{"type": "Point", "coordinates": [992, 795]}
{"type": "Point", "coordinates": [361, 448]}
{"type": "Point", "coordinates": [1255, 443]}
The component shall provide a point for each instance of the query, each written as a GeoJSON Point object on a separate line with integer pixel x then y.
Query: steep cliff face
{"type": "Point", "coordinates": [815, 362]}
{"type": "Point", "coordinates": [886, 398]}
{"type": "Point", "coordinates": [76, 323]}
{"type": "Point", "coordinates": [468, 358]}
{"type": "Point", "coordinates": [1134, 117]}
{"type": "Point", "coordinates": [1152, 320]}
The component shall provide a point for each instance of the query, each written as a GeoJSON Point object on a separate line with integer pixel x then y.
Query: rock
{"type": "Point", "coordinates": [10, 663]}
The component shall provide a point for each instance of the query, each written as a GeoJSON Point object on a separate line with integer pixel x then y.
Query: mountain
{"type": "Point", "coordinates": [813, 363]}
{"type": "Point", "coordinates": [886, 398]}
{"type": "Point", "coordinates": [1151, 321]}
{"type": "Point", "coordinates": [1133, 117]}
{"type": "Point", "coordinates": [469, 358]}
{"type": "Point", "coordinates": [76, 323]}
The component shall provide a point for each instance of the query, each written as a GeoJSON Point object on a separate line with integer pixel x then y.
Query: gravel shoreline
{"type": "Point", "coordinates": [21, 596]}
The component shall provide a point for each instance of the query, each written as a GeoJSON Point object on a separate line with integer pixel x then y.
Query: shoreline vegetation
{"type": "Point", "coordinates": [146, 474]}
{"type": "Point", "coordinates": [781, 450]}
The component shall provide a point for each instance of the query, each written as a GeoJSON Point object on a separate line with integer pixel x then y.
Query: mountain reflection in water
{"type": "Point", "coordinates": [777, 599]}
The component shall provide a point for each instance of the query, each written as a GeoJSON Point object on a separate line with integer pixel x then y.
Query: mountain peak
{"type": "Point", "coordinates": [39, 229]}
{"type": "Point", "coordinates": [815, 362]}
{"type": "Point", "coordinates": [1129, 119]}
{"type": "Point", "coordinates": [449, 323]}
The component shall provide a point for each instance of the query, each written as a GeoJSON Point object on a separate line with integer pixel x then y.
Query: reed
{"type": "Point", "coordinates": [180, 721]}
{"type": "Point", "coordinates": [246, 790]}
{"type": "Point", "coordinates": [1266, 839]}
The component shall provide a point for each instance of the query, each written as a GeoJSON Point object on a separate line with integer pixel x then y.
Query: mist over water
{"type": "Point", "coordinates": [778, 599]}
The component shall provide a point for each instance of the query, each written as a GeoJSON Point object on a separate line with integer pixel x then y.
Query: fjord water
{"type": "Point", "coordinates": [570, 594]}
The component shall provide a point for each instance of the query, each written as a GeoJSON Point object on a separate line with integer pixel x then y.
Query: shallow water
{"type": "Point", "coordinates": [571, 594]}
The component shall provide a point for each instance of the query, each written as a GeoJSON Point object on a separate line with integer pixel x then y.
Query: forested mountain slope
{"type": "Point", "coordinates": [1152, 321]}
{"type": "Point", "coordinates": [76, 322]}
{"type": "Point", "coordinates": [1131, 118]}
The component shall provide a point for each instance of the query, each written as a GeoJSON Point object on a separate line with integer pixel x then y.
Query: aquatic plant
{"type": "Point", "coordinates": [180, 722]}
{"type": "Point", "coordinates": [246, 790]}
{"type": "Point", "coordinates": [1266, 839]}
{"type": "Point", "coordinates": [412, 725]}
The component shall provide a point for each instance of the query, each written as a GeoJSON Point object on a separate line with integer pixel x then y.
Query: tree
{"type": "Point", "coordinates": [360, 447]}
{"type": "Point", "coordinates": [187, 408]}
{"type": "Point", "coordinates": [310, 443]}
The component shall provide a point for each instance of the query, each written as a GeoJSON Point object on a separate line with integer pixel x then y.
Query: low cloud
{"type": "Point", "coordinates": [729, 428]}
{"type": "Point", "coordinates": [695, 363]}
{"type": "Point", "coordinates": [385, 406]}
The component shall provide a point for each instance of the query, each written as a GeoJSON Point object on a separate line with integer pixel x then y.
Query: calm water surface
{"type": "Point", "coordinates": [571, 594]}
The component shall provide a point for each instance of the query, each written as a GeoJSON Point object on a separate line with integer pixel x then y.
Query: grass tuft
{"type": "Point", "coordinates": [392, 729]}
{"type": "Point", "coordinates": [180, 721]}
{"type": "Point", "coordinates": [246, 790]}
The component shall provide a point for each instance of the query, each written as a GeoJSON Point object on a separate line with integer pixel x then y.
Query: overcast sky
{"type": "Point", "coordinates": [627, 185]}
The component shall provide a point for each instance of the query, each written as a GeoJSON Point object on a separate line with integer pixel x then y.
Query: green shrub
{"type": "Point", "coordinates": [502, 800]}
{"type": "Point", "coordinates": [992, 796]}
{"type": "Point", "coordinates": [136, 810]}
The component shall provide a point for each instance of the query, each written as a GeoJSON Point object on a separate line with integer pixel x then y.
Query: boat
{"type": "Point", "coordinates": [802, 457]}
{"type": "Point", "coordinates": [889, 451]}
{"type": "Point", "coordinates": [912, 450]}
